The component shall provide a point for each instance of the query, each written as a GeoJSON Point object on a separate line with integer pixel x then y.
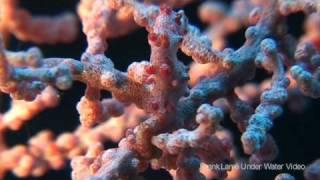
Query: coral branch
{"type": "Point", "coordinates": [271, 100]}
{"type": "Point", "coordinates": [15, 20]}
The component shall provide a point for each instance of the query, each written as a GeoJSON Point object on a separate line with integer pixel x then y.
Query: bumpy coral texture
{"type": "Point", "coordinates": [162, 113]}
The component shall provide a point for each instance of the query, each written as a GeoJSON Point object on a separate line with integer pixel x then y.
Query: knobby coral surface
{"type": "Point", "coordinates": [162, 113]}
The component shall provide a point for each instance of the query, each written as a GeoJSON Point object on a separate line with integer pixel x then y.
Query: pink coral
{"type": "Point", "coordinates": [162, 114]}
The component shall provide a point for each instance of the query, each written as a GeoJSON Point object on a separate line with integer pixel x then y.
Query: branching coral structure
{"type": "Point", "coordinates": [162, 113]}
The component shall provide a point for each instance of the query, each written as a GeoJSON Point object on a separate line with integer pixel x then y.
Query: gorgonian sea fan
{"type": "Point", "coordinates": [162, 113]}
